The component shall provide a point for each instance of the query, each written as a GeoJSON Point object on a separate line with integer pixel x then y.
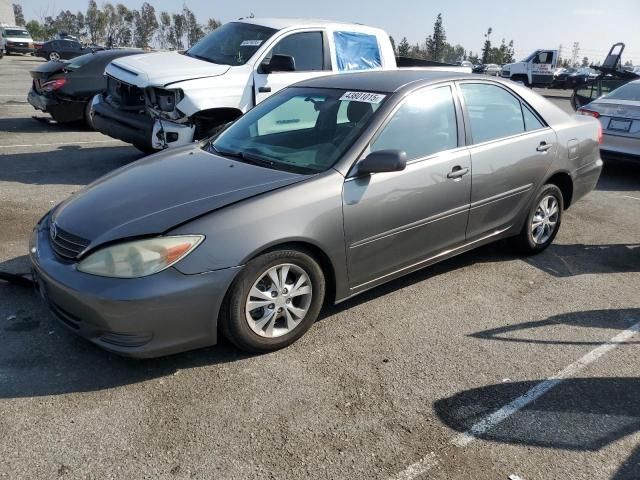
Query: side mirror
{"type": "Point", "coordinates": [279, 63]}
{"type": "Point", "coordinates": [383, 161]}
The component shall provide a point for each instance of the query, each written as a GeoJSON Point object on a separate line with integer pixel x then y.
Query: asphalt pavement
{"type": "Point", "coordinates": [484, 366]}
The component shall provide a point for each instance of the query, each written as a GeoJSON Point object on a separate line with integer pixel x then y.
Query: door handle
{"type": "Point", "coordinates": [457, 172]}
{"type": "Point", "coordinates": [264, 89]}
{"type": "Point", "coordinates": [544, 146]}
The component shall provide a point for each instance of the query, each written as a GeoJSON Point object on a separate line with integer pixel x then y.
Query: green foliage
{"type": "Point", "coordinates": [18, 14]}
{"type": "Point", "coordinates": [436, 44]}
{"type": "Point", "coordinates": [404, 47]}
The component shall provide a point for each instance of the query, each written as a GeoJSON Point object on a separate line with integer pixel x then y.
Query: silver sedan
{"type": "Point", "coordinates": [325, 190]}
{"type": "Point", "coordinates": [619, 114]}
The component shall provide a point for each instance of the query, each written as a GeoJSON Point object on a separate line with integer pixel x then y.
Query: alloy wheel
{"type": "Point", "coordinates": [55, 56]}
{"type": "Point", "coordinates": [545, 219]}
{"type": "Point", "coordinates": [278, 301]}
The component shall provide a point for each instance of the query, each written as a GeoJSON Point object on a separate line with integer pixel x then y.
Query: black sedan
{"type": "Point", "coordinates": [57, 50]}
{"type": "Point", "coordinates": [65, 89]}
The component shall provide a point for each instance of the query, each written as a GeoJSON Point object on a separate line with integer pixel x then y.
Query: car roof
{"type": "Point", "coordinates": [388, 81]}
{"type": "Point", "coordinates": [280, 23]}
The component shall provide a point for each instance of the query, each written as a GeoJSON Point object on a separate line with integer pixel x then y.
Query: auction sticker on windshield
{"type": "Point", "coordinates": [251, 43]}
{"type": "Point", "coordinates": [366, 97]}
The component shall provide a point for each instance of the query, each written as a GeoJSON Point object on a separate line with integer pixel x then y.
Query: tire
{"type": "Point", "coordinates": [244, 325]}
{"type": "Point", "coordinates": [530, 240]}
{"type": "Point", "coordinates": [87, 115]}
{"type": "Point", "coordinates": [54, 56]}
{"type": "Point", "coordinates": [521, 79]}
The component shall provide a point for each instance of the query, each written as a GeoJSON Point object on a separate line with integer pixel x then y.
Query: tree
{"type": "Point", "coordinates": [193, 28]}
{"type": "Point", "coordinates": [585, 62]}
{"type": "Point", "coordinates": [145, 24]}
{"type": "Point", "coordinates": [403, 47]}
{"type": "Point", "coordinates": [393, 44]}
{"type": "Point", "coordinates": [124, 32]}
{"type": "Point", "coordinates": [18, 14]}
{"type": "Point", "coordinates": [176, 32]}
{"type": "Point", "coordinates": [36, 30]}
{"type": "Point", "coordinates": [95, 22]}
{"type": "Point", "coordinates": [486, 50]}
{"type": "Point", "coordinates": [212, 24]}
{"type": "Point", "coordinates": [164, 29]}
{"type": "Point", "coordinates": [436, 42]}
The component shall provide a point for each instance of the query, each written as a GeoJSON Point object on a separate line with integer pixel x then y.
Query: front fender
{"type": "Point", "coordinates": [232, 90]}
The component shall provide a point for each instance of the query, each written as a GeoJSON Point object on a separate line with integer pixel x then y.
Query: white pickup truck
{"type": "Point", "coordinates": [167, 99]}
{"type": "Point", "coordinates": [534, 71]}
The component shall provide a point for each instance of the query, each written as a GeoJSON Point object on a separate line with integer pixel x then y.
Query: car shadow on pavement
{"type": "Point", "coordinates": [578, 414]}
{"type": "Point", "coordinates": [618, 319]}
{"type": "Point", "coordinates": [570, 260]}
{"type": "Point", "coordinates": [31, 125]}
{"type": "Point", "coordinates": [619, 175]}
{"type": "Point", "coordinates": [66, 165]}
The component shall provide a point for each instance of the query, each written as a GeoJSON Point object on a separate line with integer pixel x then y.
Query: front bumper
{"type": "Point", "coordinates": [134, 128]}
{"type": "Point", "coordinates": [161, 314]}
{"type": "Point", "coordinates": [12, 49]}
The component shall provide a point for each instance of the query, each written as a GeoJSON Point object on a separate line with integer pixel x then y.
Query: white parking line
{"type": "Point", "coordinates": [60, 143]}
{"type": "Point", "coordinates": [629, 196]}
{"type": "Point", "coordinates": [464, 439]}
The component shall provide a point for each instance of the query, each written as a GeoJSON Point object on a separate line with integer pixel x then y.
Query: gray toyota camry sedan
{"type": "Point", "coordinates": [323, 191]}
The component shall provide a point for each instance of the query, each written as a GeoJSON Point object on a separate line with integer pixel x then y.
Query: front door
{"type": "Point", "coordinates": [511, 151]}
{"type": "Point", "coordinates": [396, 220]}
{"type": "Point", "coordinates": [311, 58]}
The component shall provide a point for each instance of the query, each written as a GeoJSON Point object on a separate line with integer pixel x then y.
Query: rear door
{"type": "Point", "coordinates": [394, 221]}
{"type": "Point", "coordinates": [310, 52]}
{"type": "Point", "coordinates": [511, 150]}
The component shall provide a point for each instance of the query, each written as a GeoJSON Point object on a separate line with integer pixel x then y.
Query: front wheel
{"type": "Point", "coordinates": [274, 301]}
{"type": "Point", "coordinates": [543, 221]}
{"type": "Point", "coordinates": [54, 56]}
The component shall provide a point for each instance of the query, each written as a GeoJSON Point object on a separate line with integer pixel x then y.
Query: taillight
{"type": "Point", "coordinates": [590, 113]}
{"type": "Point", "coordinates": [53, 85]}
{"type": "Point", "coordinates": [600, 135]}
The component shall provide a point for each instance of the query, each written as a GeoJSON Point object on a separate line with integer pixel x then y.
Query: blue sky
{"type": "Point", "coordinates": [531, 24]}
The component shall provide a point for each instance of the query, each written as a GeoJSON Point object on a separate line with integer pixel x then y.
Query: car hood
{"type": "Point", "coordinates": [155, 194]}
{"type": "Point", "coordinates": [162, 68]}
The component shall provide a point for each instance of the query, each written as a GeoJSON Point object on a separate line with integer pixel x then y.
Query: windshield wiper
{"type": "Point", "coordinates": [244, 156]}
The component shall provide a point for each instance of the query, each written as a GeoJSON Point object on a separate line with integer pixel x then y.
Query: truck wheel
{"type": "Point", "coordinates": [522, 79]}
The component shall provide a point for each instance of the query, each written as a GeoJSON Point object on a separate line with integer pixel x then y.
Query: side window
{"type": "Point", "coordinates": [298, 113]}
{"type": "Point", "coordinates": [425, 124]}
{"type": "Point", "coordinates": [493, 112]}
{"type": "Point", "coordinates": [531, 122]}
{"type": "Point", "coordinates": [306, 48]}
{"type": "Point", "coordinates": [356, 51]}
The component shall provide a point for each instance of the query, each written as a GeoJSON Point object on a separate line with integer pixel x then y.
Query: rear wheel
{"type": "Point", "coordinates": [54, 56]}
{"type": "Point", "coordinates": [522, 79]}
{"type": "Point", "coordinates": [274, 301]}
{"type": "Point", "coordinates": [543, 221]}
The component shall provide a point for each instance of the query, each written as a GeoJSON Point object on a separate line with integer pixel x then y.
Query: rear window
{"type": "Point", "coordinates": [630, 91]}
{"type": "Point", "coordinates": [357, 51]}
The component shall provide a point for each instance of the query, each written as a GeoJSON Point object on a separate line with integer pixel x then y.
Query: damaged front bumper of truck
{"type": "Point", "coordinates": [147, 118]}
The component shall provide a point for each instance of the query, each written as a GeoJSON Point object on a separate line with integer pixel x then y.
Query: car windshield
{"type": "Point", "coordinates": [17, 33]}
{"type": "Point", "coordinates": [231, 44]}
{"type": "Point", "coordinates": [630, 91]}
{"type": "Point", "coordinates": [303, 130]}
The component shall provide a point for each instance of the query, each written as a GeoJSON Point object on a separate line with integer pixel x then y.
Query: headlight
{"type": "Point", "coordinates": [140, 258]}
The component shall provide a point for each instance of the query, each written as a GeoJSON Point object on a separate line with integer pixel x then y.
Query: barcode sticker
{"type": "Point", "coordinates": [251, 43]}
{"type": "Point", "coordinates": [366, 97]}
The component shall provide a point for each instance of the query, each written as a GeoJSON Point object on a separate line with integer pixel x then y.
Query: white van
{"type": "Point", "coordinates": [15, 40]}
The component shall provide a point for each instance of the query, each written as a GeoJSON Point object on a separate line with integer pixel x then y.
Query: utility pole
{"type": "Point", "coordinates": [559, 55]}
{"type": "Point", "coordinates": [575, 53]}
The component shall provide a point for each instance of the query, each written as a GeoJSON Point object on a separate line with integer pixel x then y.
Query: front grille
{"type": "Point", "coordinates": [124, 95]}
{"type": "Point", "coordinates": [65, 244]}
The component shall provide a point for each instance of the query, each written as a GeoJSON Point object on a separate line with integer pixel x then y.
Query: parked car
{"type": "Point", "coordinates": [15, 40]}
{"type": "Point", "coordinates": [56, 50]}
{"type": "Point", "coordinates": [492, 69]}
{"type": "Point", "coordinates": [65, 89]}
{"type": "Point", "coordinates": [561, 77]}
{"type": "Point", "coordinates": [480, 68]}
{"type": "Point", "coordinates": [581, 76]}
{"type": "Point", "coordinates": [619, 114]}
{"type": "Point", "coordinates": [321, 192]}
{"type": "Point", "coordinates": [225, 74]}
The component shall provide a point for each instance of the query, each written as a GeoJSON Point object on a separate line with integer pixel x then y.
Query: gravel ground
{"type": "Point", "coordinates": [381, 387]}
